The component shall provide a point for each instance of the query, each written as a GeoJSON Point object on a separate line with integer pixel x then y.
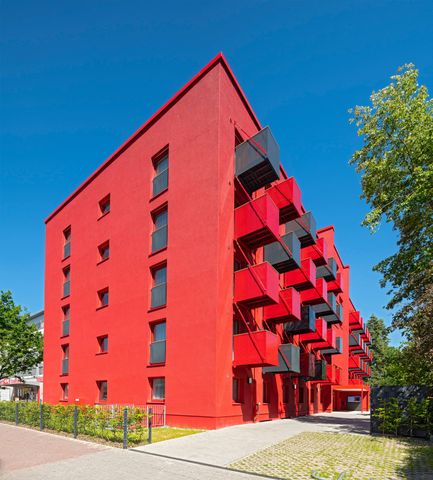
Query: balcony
{"type": "Point", "coordinates": [308, 365]}
{"type": "Point", "coordinates": [281, 259]}
{"type": "Point", "coordinates": [158, 295]}
{"type": "Point", "coordinates": [336, 285]}
{"type": "Point", "coordinates": [328, 271]}
{"type": "Point", "coordinates": [287, 309]}
{"type": "Point", "coordinates": [330, 341]}
{"type": "Point", "coordinates": [301, 278]}
{"type": "Point", "coordinates": [354, 364]}
{"type": "Point", "coordinates": [336, 317]}
{"type": "Point", "coordinates": [287, 197]}
{"type": "Point", "coordinates": [318, 252]}
{"type": "Point", "coordinates": [304, 228]}
{"type": "Point", "coordinates": [307, 324]}
{"type": "Point", "coordinates": [157, 352]}
{"type": "Point", "coordinates": [257, 285]}
{"type": "Point", "coordinates": [258, 161]}
{"type": "Point", "coordinates": [327, 307]}
{"type": "Point", "coordinates": [65, 327]}
{"type": "Point", "coordinates": [65, 366]}
{"type": "Point", "coordinates": [320, 370]}
{"type": "Point", "coordinates": [288, 360]}
{"type": "Point", "coordinates": [255, 349]}
{"type": "Point", "coordinates": [257, 222]}
{"type": "Point", "coordinates": [316, 295]}
{"type": "Point", "coordinates": [334, 351]}
{"type": "Point", "coordinates": [318, 335]}
{"type": "Point", "coordinates": [355, 321]}
{"type": "Point", "coordinates": [354, 339]}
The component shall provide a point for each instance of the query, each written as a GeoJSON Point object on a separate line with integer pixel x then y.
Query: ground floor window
{"type": "Point", "coordinates": [237, 390]}
{"type": "Point", "coordinates": [158, 389]}
{"type": "Point", "coordinates": [266, 391]}
{"type": "Point", "coordinates": [103, 390]}
{"type": "Point", "coordinates": [301, 394]}
{"type": "Point", "coordinates": [65, 391]}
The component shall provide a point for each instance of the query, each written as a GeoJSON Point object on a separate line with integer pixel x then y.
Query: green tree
{"type": "Point", "coordinates": [379, 348]}
{"type": "Point", "coordinates": [396, 167]}
{"type": "Point", "coordinates": [21, 344]}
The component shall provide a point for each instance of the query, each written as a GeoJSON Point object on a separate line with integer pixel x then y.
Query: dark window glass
{"type": "Point", "coordinates": [104, 205]}
{"type": "Point", "coordinates": [66, 314]}
{"type": "Point", "coordinates": [160, 180]}
{"type": "Point", "coordinates": [158, 389]}
{"type": "Point", "coordinates": [104, 251]}
{"type": "Point", "coordinates": [159, 332]}
{"type": "Point", "coordinates": [286, 389]}
{"type": "Point", "coordinates": [159, 234]}
{"type": "Point", "coordinates": [236, 390]}
{"type": "Point", "coordinates": [103, 344]}
{"type": "Point", "coordinates": [65, 391]}
{"type": "Point", "coordinates": [67, 244]}
{"type": "Point", "coordinates": [158, 294]}
{"type": "Point", "coordinates": [103, 389]}
{"type": "Point", "coordinates": [161, 165]}
{"type": "Point", "coordinates": [265, 391]}
{"type": "Point", "coordinates": [301, 394]}
{"type": "Point", "coordinates": [103, 297]}
{"type": "Point", "coordinates": [160, 276]}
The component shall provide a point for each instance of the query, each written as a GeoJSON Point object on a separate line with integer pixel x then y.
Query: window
{"type": "Point", "coordinates": [286, 391]}
{"type": "Point", "coordinates": [301, 394]}
{"type": "Point", "coordinates": [103, 297]}
{"type": "Point", "coordinates": [67, 281]}
{"type": "Point", "coordinates": [66, 317]}
{"type": "Point", "coordinates": [159, 234]}
{"type": "Point", "coordinates": [104, 251]}
{"type": "Point", "coordinates": [104, 206]}
{"type": "Point", "coordinates": [103, 390]}
{"type": "Point", "coordinates": [236, 390]}
{"type": "Point", "coordinates": [266, 392]}
{"type": "Point", "coordinates": [312, 392]}
{"type": "Point", "coordinates": [65, 390]}
{"type": "Point", "coordinates": [65, 359]}
{"type": "Point", "coordinates": [157, 347]}
{"type": "Point", "coordinates": [158, 389]}
{"type": "Point", "coordinates": [159, 289]}
{"type": "Point", "coordinates": [160, 179]}
{"type": "Point", "coordinates": [103, 344]}
{"type": "Point", "coordinates": [67, 242]}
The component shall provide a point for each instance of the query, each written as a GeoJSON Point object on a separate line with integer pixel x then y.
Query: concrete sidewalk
{"type": "Point", "coordinates": [224, 446]}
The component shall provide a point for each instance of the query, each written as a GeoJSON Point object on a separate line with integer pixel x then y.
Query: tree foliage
{"type": "Point", "coordinates": [21, 344]}
{"type": "Point", "coordinates": [396, 167]}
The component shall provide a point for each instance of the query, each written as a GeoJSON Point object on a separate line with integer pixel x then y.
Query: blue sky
{"type": "Point", "coordinates": [79, 77]}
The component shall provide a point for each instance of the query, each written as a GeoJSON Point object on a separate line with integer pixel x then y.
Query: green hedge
{"type": "Point", "coordinates": [104, 422]}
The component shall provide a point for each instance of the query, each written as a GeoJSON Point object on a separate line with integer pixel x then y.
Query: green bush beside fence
{"type": "Point", "coordinates": [101, 421]}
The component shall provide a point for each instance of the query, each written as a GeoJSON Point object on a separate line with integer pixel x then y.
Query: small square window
{"type": "Point", "coordinates": [104, 251]}
{"type": "Point", "coordinates": [104, 206]}
{"type": "Point", "coordinates": [103, 297]}
{"type": "Point", "coordinates": [103, 344]}
{"type": "Point", "coordinates": [158, 389]}
{"type": "Point", "coordinates": [103, 390]}
{"type": "Point", "coordinates": [65, 390]}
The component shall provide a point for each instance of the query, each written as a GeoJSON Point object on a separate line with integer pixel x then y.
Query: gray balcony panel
{"type": "Point", "coordinates": [354, 340]}
{"type": "Point", "coordinates": [157, 352]}
{"type": "Point", "coordinates": [65, 366]}
{"type": "Point", "coordinates": [304, 228]}
{"type": "Point", "coordinates": [258, 160]}
{"type": "Point", "coordinates": [307, 323]}
{"type": "Point", "coordinates": [275, 254]}
{"type": "Point", "coordinates": [336, 317]}
{"type": "Point", "coordinates": [158, 296]}
{"type": "Point", "coordinates": [160, 182]}
{"type": "Point", "coordinates": [288, 360]}
{"type": "Point", "coordinates": [159, 239]}
{"type": "Point", "coordinates": [65, 327]}
{"type": "Point", "coordinates": [328, 271]}
{"type": "Point", "coordinates": [334, 351]}
{"type": "Point", "coordinates": [328, 308]}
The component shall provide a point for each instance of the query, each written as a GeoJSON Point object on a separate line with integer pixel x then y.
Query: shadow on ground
{"type": "Point", "coordinates": [419, 463]}
{"type": "Point", "coordinates": [341, 424]}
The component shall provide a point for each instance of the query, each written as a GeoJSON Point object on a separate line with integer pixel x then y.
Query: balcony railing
{"type": "Point", "coordinates": [288, 360]}
{"type": "Point", "coordinates": [307, 324]}
{"type": "Point", "coordinates": [67, 288]}
{"type": "Point", "coordinates": [280, 258]}
{"type": "Point", "coordinates": [65, 366]}
{"type": "Point", "coordinates": [159, 239]}
{"type": "Point", "coordinates": [258, 161]}
{"type": "Point", "coordinates": [160, 182]}
{"type": "Point", "coordinates": [305, 229]}
{"type": "Point", "coordinates": [287, 309]}
{"type": "Point", "coordinates": [328, 271]}
{"type": "Point", "coordinates": [65, 327]}
{"type": "Point", "coordinates": [157, 352]}
{"type": "Point", "coordinates": [257, 285]}
{"type": "Point", "coordinates": [287, 197]}
{"type": "Point", "coordinates": [158, 295]}
{"type": "Point", "coordinates": [257, 222]}
{"type": "Point", "coordinates": [255, 349]}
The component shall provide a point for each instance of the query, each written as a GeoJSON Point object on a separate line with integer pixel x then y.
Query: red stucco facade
{"type": "Point", "coordinates": [102, 275]}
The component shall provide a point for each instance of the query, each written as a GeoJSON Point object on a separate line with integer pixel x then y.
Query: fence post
{"type": "Point", "coordinates": [16, 413]}
{"type": "Point", "coordinates": [41, 416]}
{"type": "Point", "coordinates": [150, 425]}
{"type": "Point", "coordinates": [75, 421]}
{"type": "Point", "coordinates": [125, 428]}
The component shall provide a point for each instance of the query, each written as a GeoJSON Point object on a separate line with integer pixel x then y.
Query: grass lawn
{"type": "Point", "coordinates": [362, 457]}
{"type": "Point", "coordinates": [166, 433]}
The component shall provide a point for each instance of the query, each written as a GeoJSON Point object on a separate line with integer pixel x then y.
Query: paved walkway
{"type": "Point", "coordinates": [224, 446]}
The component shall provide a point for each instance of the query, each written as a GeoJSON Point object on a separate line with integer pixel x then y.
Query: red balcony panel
{"type": "Point", "coordinates": [257, 285]}
{"type": "Point", "coordinates": [353, 363]}
{"type": "Point", "coordinates": [332, 338]}
{"type": "Point", "coordinates": [317, 337]}
{"type": "Point", "coordinates": [257, 222]}
{"type": "Point", "coordinates": [302, 278]}
{"type": "Point", "coordinates": [317, 252]}
{"type": "Point", "coordinates": [287, 197]}
{"type": "Point", "coordinates": [287, 309]}
{"type": "Point", "coordinates": [318, 294]}
{"type": "Point", "coordinates": [255, 349]}
{"type": "Point", "coordinates": [355, 321]}
{"type": "Point", "coordinates": [336, 285]}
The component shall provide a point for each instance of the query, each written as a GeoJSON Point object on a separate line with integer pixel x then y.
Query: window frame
{"type": "Point", "coordinates": [103, 203]}
{"type": "Point", "coordinates": [99, 384]}
{"type": "Point", "coordinates": [101, 247]}
{"type": "Point", "coordinates": [65, 392]}
{"type": "Point", "coordinates": [154, 216]}
{"type": "Point", "coordinates": [152, 388]}
{"type": "Point", "coordinates": [67, 236]}
{"type": "Point", "coordinates": [102, 344]}
{"type": "Point", "coordinates": [66, 310]}
{"type": "Point", "coordinates": [66, 272]}
{"type": "Point", "coordinates": [156, 161]}
{"type": "Point", "coordinates": [100, 295]}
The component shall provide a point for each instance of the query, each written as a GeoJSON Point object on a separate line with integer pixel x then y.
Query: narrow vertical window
{"type": "Point", "coordinates": [103, 344]}
{"type": "Point", "coordinates": [157, 347]}
{"type": "Point", "coordinates": [160, 179]}
{"type": "Point", "coordinates": [67, 242]}
{"type": "Point", "coordinates": [104, 251]}
{"type": "Point", "coordinates": [159, 234]}
{"type": "Point", "coordinates": [159, 288]}
{"type": "Point", "coordinates": [103, 390]}
{"type": "Point", "coordinates": [103, 298]}
{"type": "Point", "coordinates": [67, 281]}
{"type": "Point", "coordinates": [66, 318]}
{"type": "Point", "coordinates": [65, 390]}
{"type": "Point", "coordinates": [65, 359]}
{"type": "Point", "coordinates": [236, 390]}
{"type": "Point", "coordinates": [266, 392]}
{"type": "Point", "coordinates": [104, 206]}
{"type": "Point", "coordinates": [158, 389]}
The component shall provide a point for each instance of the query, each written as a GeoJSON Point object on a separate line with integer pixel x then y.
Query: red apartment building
{"type": "Point", "coordinates": [187, 271]}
